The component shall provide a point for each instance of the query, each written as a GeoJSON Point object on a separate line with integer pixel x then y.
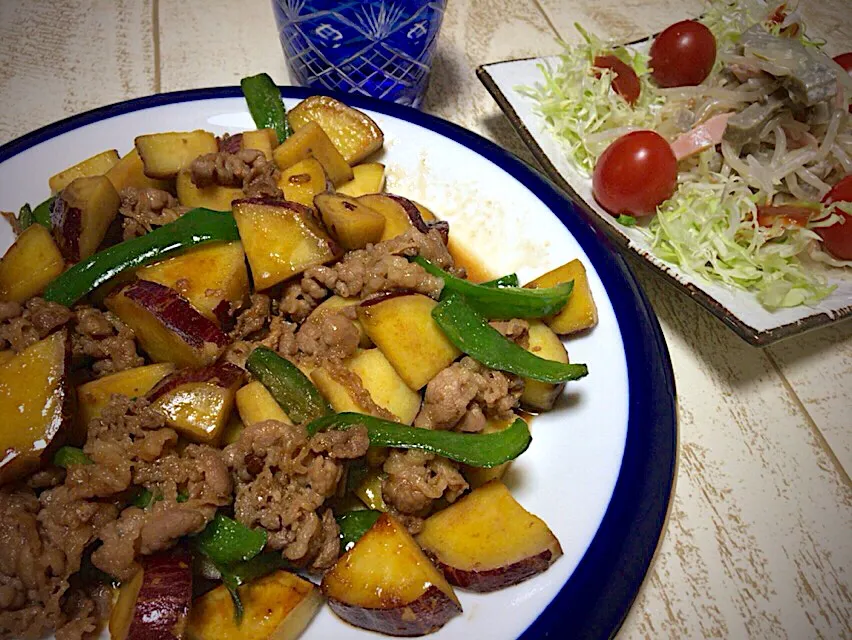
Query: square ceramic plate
{"type": "Point", "coordinates": [738, 309]}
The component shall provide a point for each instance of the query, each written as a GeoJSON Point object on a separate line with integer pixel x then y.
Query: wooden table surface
{"type": "Point", "coordinates": [759, 540]}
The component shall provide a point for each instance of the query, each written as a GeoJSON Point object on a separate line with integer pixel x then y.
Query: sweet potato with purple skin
{"type": "Point", "coordinates": [155, 604]}
{"type": "Point", "coordinates": [352, 132]}
{"type": "Point", "coordinates": [213, 278]}
{"type": "Point", "coordinates": [198, 402]}
{"type": "Point", "coordinates": [281, 239]}
{"type": "Point", "coordinates": [36, 402]}
{"type": "Point", "coordinates": [168, 328]}
{"type": "Point", "coordinates": [487, 541]}
{"type": "Point", "coordinates": [130, 172]}
{"type": "Point", "coordinates": [82, 214]}
{"type": "Point", "coordinates": [352, 223]}
{"type": "Point", "coordinates": [385, 583]}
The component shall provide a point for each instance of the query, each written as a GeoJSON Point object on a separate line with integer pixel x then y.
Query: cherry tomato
{"type": "Point", "coordinates": [636, 173]}
{"type": "Point", "coordinates": [683, 54]}
{"type": "Point", "coordinates": [845, 61]}
{"type": "Point", "coordinates": [837, 239]}
{"type": "Point", "coordinates": [626, 82]}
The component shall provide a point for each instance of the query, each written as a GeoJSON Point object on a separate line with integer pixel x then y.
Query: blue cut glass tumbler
{"type": "Point", "coordinates": [379, 48]}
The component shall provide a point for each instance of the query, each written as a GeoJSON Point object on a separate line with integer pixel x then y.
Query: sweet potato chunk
{"type": "Point", "coordinates": [379, 380]}
{"type": "Point", "coordinates": [276, 607]}
{"type": "Point", "coordinates": [165, 154]}
{"type": "Point", "coordinates": [401, 325]}
{"type": "Point", "coordinates": [385, 583]}
{"type": "Point", "coordinates": [29, 265]}
{"type": "Point", "coordinates": [281, 239]}
{"type": "Point", "coordinates": [487, 541]}
{"type": "Point", "coordinates": [168, 328]}
{"type": "Point", "coordinates": [478, 476]}
{"type": "Point", "coordinates": [256, 404]}
{"type": "Point", "coordinates": [155, 603]}
{"type": "Point", "coordinates": [386, 387]}
{"type": "Point", "coordinates": [82, 214]}
{"type": "Point", "coordinates": [97, 165]}
{"type": "Point", "coordinates": [264, 140]}
{"type": "Point", "coordinates": [130, 172]}
{"type": "Point", "coordinates": [93, 396]}
{"type": "Point", "coordinates": [543, 342]}
{"type": "Point", "coordinates": [197, 402]}
{"type": "Point", "coordinates": [400, 214]}
{"type": "Point", "coordinates": [311, 141]}
{"type": "Point", "coordinates": [214, 197]}
{"type": "Point", "coordinates": [35, 402]}
{"type": "Point", "coordinates": [368, 178]}
{"type": "Point", "coordinates": [353, 224]}
{"type": "Point", "coordinates": [580, 312]}
{"type": "Point", "coordinates": [354, 133]}
{"type": "Point", "coordinates": [303, 181]}
{"type": "Point", "coordinates": [213, 278]}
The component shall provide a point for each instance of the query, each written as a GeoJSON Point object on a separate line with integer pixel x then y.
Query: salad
{"type": "Point", "coordinates": [239, 380]}
{"type": "Point", "coordinates": [725, 141]}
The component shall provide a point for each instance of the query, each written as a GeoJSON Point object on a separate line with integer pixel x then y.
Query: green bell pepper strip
{"type": "Point", "coordinates": [472, 334]}
{"type": "Point", "coordinates": [265, 105]}
{"type": "Point", "coordinates": [66, 456]}
{"type": "Point", "coordinates": [193, 228]}
{"type": "Point", "coordinates": [41, 213]}
{"type": "Point", "coordinates": [226, 541]}
{"type": "Point", "coordinates": [474, 449]}
{"type": "Point", "coordinates": [291, 388]}
{"type": "Point", "coordinates": [503, 303]}
{"type": "Point", "coordinates": [25, 217]}
{"type": "Point", "coordinates": [509, 280]}
{"type": "Point", "coordinates": [355, 524]}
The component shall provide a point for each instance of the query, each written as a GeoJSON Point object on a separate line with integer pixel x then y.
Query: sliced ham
{"type": "Point", "coordinates": [707, 134]}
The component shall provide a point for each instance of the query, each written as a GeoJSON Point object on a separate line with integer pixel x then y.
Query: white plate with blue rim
{"type": "Point", "coordinates": [601, 465]}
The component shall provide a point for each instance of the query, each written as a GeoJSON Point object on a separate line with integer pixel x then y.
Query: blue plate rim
{"type": "Point", "coordinates": [597, 596]}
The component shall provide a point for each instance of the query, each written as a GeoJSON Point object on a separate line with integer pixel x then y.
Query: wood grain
{"type": "Point", "coordinates": [61, 58]}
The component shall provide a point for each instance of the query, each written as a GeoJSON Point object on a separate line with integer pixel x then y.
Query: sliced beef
{"type": "Point", "coordinates": [41, 545]}
{"type": "Point", "coordinates": [332, 334]}
{"type": "Point", "coordinates": [282, 480]}
{"type": "Point", "coordinates": [416, 479]}
{"type": "Point", "coordinates": [378, 268]}
{"type": "Point", "coordinates": [465, 394]}
{"type": "Point", "coordinates": [247, 169]}
{"type": "Point", "coordinates": [144, 209]}
{"type": "Point", "coordinates": [23, 325]}
{"type": "Point", "coordinates": [103, 338]}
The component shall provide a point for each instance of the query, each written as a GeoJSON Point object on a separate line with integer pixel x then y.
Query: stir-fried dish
{"type": "Point", "coordinates": [725, 141]}
{"type": "Point", "coordinates": [239, 380]}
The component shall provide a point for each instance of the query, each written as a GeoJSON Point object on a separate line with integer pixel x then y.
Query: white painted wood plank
{"type": "Point", "coordinates": [61, 58]}
{"type": "Point", "coordinates": [215, 43]}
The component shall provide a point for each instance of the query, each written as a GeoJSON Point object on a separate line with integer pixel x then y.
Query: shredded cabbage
{"type": "Point", "coordinates": [578, 105]}
{"type": "Point", "coordinates": [709, 228]}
